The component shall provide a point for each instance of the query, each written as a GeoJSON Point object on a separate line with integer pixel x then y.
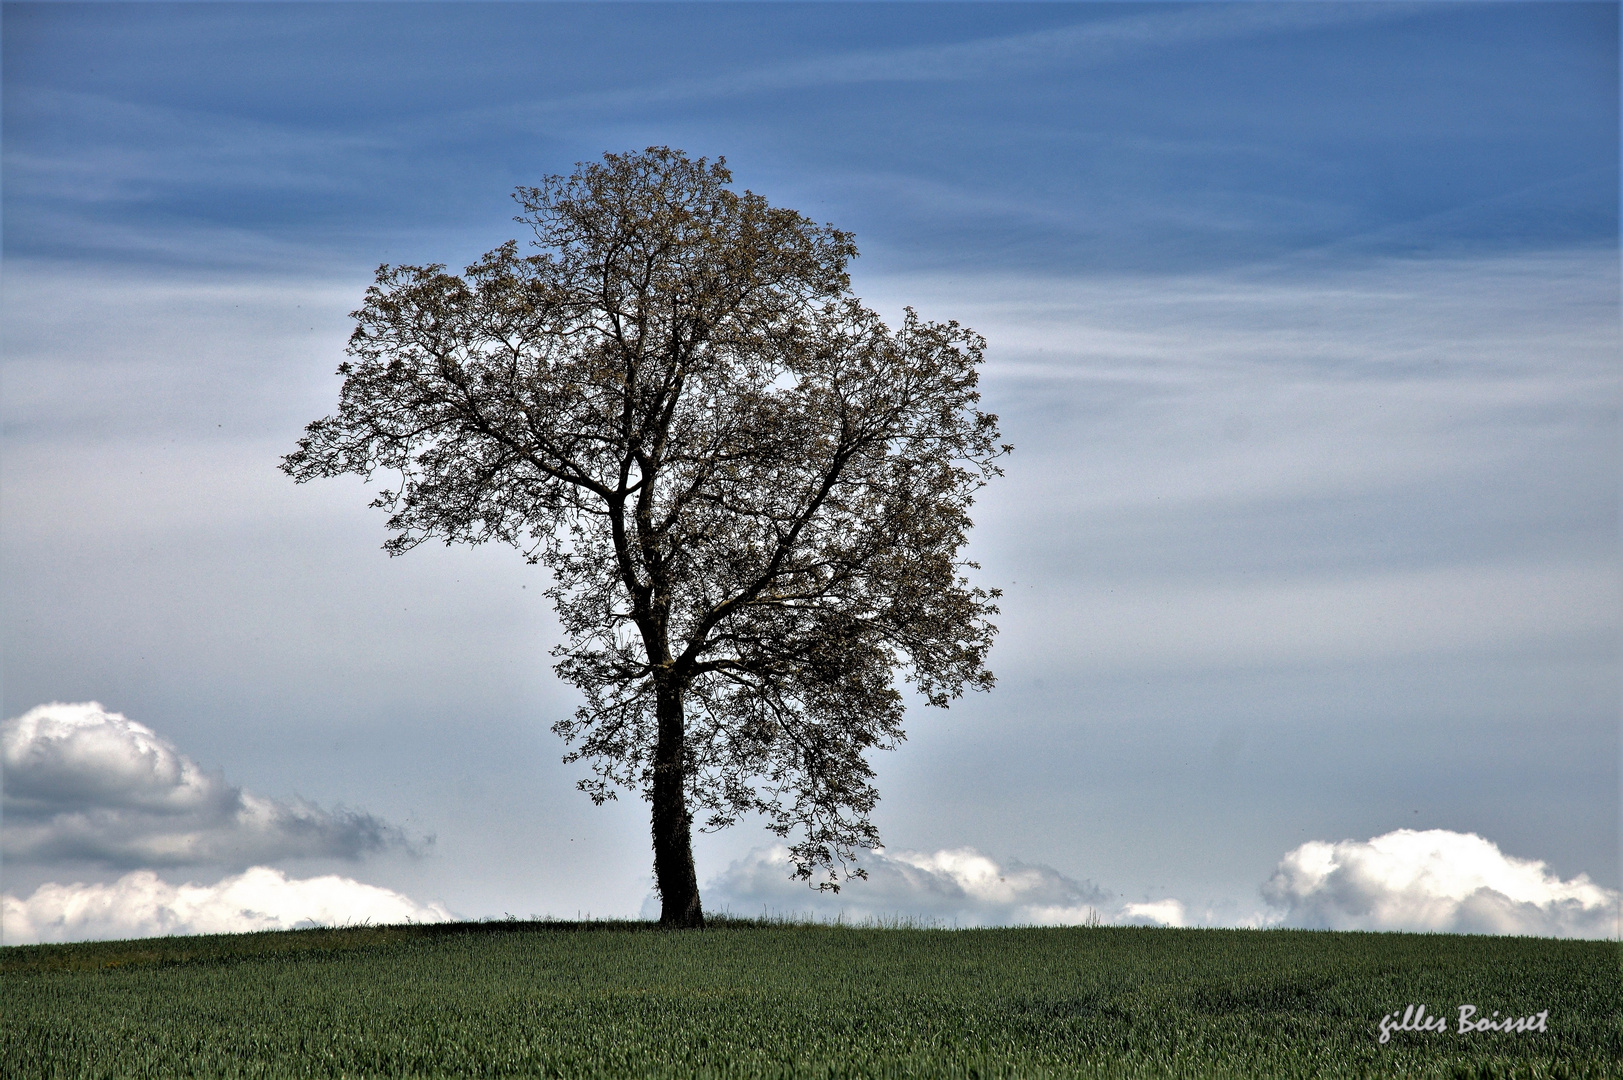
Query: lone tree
{"type": "Point", "coordinates": [750, 492]}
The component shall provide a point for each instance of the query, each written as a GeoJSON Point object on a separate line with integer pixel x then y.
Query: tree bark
{"type": "Point", "coordinates": [673, 825]}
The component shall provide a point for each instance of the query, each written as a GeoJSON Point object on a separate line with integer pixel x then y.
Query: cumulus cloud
{"type": "Point", "coordinates": [960, 886]}
{"type": "Point", "coordinates": [1435, 880]}
{"type": "Point", "coordinates": [142, 905]}
{"type": "Point", "coordinates": [1153, 913]}
{"type": "Point", "coordinates": [85, 784]}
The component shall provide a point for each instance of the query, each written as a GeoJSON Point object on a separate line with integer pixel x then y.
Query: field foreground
{"type": "Point", "coordinates": [747, 999]}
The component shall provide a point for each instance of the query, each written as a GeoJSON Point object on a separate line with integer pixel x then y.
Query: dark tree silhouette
{"type": "Point", "coordinates": [751, 494]}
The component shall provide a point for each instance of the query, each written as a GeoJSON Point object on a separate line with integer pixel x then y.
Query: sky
{"type": "Point", "coordinates": [1303, 319]}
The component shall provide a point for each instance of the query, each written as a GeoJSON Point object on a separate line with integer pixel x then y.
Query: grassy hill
{"type": "Point", "coordinates": [747, 999]}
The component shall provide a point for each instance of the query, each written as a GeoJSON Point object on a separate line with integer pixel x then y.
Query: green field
{"type": "Point", "coordinates": [745, 999]}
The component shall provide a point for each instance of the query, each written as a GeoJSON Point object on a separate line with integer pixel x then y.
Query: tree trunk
{"type": "Point", "coordinates": [673, 825]}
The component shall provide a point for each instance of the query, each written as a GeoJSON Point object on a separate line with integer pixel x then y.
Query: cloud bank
{"type": "Point", "coordinates": [85, 784]}
{"type": "Point", "coordinates": [142, 905]}
{"type": "Point", "coordinates": [1433, 881]}
{"type": "Point", "coordinates": [960, 887]}
{"type": "Point", "coordinates": [1438, 881]}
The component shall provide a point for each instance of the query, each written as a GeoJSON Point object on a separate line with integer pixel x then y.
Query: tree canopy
{"type": "Point", "coordinates": [751, 494]}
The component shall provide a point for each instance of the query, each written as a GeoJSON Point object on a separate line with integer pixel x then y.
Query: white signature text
{"type": "Point", "coordinates": [1414, 1018]}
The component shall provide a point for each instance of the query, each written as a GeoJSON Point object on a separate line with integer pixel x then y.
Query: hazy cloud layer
{"type": "Point", "coordinates": [1313, 467]}
{"type": "Point", "coordinates": [1438, 881]}
{"type": "Point", "coordinates": [86, 784]}
{"type": "Point", "coordinates": [960, 886]}
{"type": "Point", "coordinates": [142, 905]}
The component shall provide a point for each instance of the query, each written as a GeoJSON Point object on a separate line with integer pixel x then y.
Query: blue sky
{"type": "Point", "coordinates": [1303, 319]}
{"type": "Point", "coordinates": [1094, 137]}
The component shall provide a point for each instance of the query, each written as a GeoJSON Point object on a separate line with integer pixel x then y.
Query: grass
{"type": "Point", "coordinates": [759, 999]}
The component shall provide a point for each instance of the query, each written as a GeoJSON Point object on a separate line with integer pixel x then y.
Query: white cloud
{"type": "Point", "coordinates": [960, 887]}
{"type": "Point", "coordinates": [142, 905]}
{"type": "Point", "coordinates": [85, 784]}
{"type": "Point", "coordinates": [1153, 913]}
{"type": "Point", "coordinates": [1438, 881]}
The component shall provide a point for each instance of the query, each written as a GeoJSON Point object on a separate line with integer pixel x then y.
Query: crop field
{"type": "Point", "coordinates": [747, 999]}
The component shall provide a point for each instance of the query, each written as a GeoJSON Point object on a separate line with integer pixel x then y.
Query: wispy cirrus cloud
{"type": "Point", "coordinates": [1097, 41]}
{"type": "Point", "coordinates": [137, 149]}
{"type": "Point", "coordinates": [130, 150]}
{"type": "Point", "coordinates": [87, 785]}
